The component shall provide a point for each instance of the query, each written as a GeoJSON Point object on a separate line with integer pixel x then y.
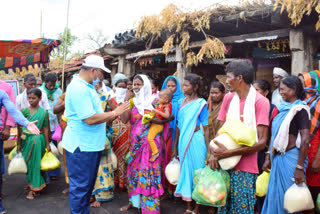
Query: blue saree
{"type": "Point", "coordinates": [192, 148]}
{"type": "Point", "coordinates": [282, 167]}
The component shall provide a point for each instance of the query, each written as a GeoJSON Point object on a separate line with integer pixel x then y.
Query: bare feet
{"type": "Point", "coordinates": [65, 191]}
{"type": "Point", "coordinates": [30, 195]}
{"type": "Point", "coordinates": [26, 188]}
{"type": "Point", "coordinates": [164, 196]}
{"type": "Point", "coordinates": [95, 204]}
{"type": "Point", "coordinates": [126, 208]}
{"type": "Point", "coordinates": [4, 180]}
{"type": "Point", "coordinates": [154, 157]}
{"type": "Point", "coordinates": [53, 178]}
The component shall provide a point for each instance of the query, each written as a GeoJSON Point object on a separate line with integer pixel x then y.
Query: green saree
{"type": "Point", "coordinates": [35, 177]}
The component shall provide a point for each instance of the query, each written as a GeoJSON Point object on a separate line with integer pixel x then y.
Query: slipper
{"type": "Point", "coordinates": [189, 211]}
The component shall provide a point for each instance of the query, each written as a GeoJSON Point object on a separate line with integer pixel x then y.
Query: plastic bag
{"type": "Point", "coordinates": [226, 178]}
{"type": "Point", "coordinates": [127, 157]}
{"type": "Point", "coordinates": [49, 162]}
{"type": "Point", "coordinates": [60, 149]}
{"type": "Point", "coordinates": [298, 198]}
{"type": "Point", "coordinates": [172, 171]}
{"type": "Point", "coordinates": [241, 133]}
{"type": "Point", "coordinates": [54, 149]}
{"type": "Point", "coordinates": [57, 135]}
{"type": "Point", "coordinates": [13, 153]}
{"type": "Point", "coordinates": [229, 143]}
{"type": "Point", "coordinates": [114, 160]}
{"type": "Point", "coordinates": [318, 204]}
{"type": "Point", "coordinates": [262, 184]}
{"type": "Point", "coordinates": [17, 165]}
{"type": "Point", "coordinates": [211, 189]}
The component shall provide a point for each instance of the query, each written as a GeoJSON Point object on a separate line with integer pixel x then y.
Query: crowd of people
{"type": "Point", "coordinates": [144, 129]}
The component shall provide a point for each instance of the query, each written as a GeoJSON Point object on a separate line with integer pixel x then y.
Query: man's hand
{"type": "Point", "coordinates": [221, 152]}
{"type": "Point", "coordinates": [122, 108]}
{"type": "Point", "coordinates": [33, 128]}
{"type": "Point", "coordinates": [6, 133]}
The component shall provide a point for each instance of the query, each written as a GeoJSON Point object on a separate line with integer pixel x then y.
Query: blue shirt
{"type": "Point", "coordinates": [11, 109]}
{"type": "Point", "coordinates": [82, 102]}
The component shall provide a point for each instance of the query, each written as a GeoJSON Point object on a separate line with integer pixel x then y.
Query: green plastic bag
{"type": "Point", "coordinates": [318, 204]}
{"type": "Point", "coordinates": [210, 189]}
{"type": "Point", "coordinates": [127, 157]}
{"type": "Point", "coordinates": [13, 153]}
{"type": "Point", "coordinates": [226, 177]}
{"type": "Point", "coordinates": [49, 162]}
{"type": "Point", "coordinates": [262, 184]}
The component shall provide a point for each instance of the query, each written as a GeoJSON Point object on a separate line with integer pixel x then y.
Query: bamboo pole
{"type": "Point", "coordinates": [65, 47]}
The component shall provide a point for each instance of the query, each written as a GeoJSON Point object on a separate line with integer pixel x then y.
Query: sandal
{"type": "Point", "coordinates": [30, 195]}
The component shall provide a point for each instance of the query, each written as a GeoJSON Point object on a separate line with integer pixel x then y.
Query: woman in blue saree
{"type": "Point", "coordinates": [192, 143]}
{"type": "Point", "coordinates": [171, 83]}
{"type": "Point", "coordinates": [289, 158]}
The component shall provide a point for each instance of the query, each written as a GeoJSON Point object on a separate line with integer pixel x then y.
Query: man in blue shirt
{"type": "Point", "coordinates": [85, 135]}
{"type": "Point", "coordinates": [20, 119]}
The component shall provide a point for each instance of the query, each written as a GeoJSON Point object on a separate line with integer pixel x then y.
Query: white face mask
{"type": "Point", "coordinates": [120, 94]}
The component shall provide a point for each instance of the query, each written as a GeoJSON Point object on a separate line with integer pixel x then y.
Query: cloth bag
{"type": "Point", "coordinates": [262, 184]}
{"type": "Point", "coordinates": [54, 149]}
{"type": "Point", "coordinates": [229, 143]}
{"type": "Point", "coordinates": [172, 171]}
{"type": "Point", "coordinates": [49, 162]}
{"type": "Point", "coordinates": [298, 198]}
{"type": "Point", "coordinates": [17, 165]}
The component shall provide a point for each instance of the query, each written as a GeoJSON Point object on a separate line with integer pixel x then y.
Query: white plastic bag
{"type": "Point", "coordinates": [17, 165]}
{"type": "Point", "coordinates": [229, 143]}
{"type": "Point", "coordinates": [54, 149]}
{"type": "Point", "coordinates": [172, 171]}
{"type": "Point", "coordinates": [60, 149]}
{"type": "Point", "coordinates": [114, 160]}
{"type": "Point", "coordinates": [298, 198]}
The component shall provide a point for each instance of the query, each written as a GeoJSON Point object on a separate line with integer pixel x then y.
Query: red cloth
{"type": "Point", "coordinates": [248, 163]}
{"type": "Point", "coordinates": [161, 108]}
{"type": "Point", "coordinates": [313, 179]}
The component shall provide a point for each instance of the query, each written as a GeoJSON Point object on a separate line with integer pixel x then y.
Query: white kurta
{"type": "Point", "coordinates": [276, 98]}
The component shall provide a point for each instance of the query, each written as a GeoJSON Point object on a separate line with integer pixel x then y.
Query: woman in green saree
{"type": "Point", "coordinates": [33, 146]}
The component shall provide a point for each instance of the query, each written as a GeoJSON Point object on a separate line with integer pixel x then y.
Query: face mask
{"type": "Point", "coordinates": [120, 94]}
{"type": "Point", "coordinates": [96, 81]}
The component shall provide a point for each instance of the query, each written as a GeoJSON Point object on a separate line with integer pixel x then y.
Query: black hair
{"type": "Point", "coordinates": [243, 68]}
{"type": "Point", "coordinates": [153, 82]}
{"type": "Point", "coordinates": [264, 85]}
{"type": "Point", "coordinates": [295, 83]}
{"type": "Point", "coordinates": [168, 93]}
{"type": "Point", "coordinates": [121, 81]}
{"type": "Point", "coordinates": [130, 79]}
{"type": "Point", "coordinates": [35, 91]}
{"type": "Point", "coordinates": [218, 85]}
{"type": "Point", "coordinates": [51, 77]}
{"type": "Point", "coordinates": [29, 78]}
{"type": "Point", "coordinates": [194, 80]}
{"type": "Point", "coordinates": [172, 79]}
{"type": "Point", "coordinates": [138, 77]}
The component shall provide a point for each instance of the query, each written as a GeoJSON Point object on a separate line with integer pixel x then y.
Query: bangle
{"type": "Point", "coordinates": [267, 153]}
{"type": "Point", "coordinates": [299, 167]}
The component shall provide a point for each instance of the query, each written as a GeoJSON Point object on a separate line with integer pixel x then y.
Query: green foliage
{"type": "Point", "coordinates": [65, 46]}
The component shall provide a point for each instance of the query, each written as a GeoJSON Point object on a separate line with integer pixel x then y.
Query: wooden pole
{"type": "Point", "coordinates": [65, 47]}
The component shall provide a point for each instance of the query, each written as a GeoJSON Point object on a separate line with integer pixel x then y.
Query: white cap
{"type": "Point", "coordinates": [94, 61]}
{"type": "Point", "coordinates": [280, 72]}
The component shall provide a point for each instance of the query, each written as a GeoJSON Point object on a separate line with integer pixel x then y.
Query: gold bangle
{"type": "Point", "coordinates": [299, 167]}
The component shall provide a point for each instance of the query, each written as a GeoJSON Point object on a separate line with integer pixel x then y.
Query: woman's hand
{"type": "Point", "coordinates": [298, 176]}
{"type": "Point", "coordinates": [267, 164]}
{"type": "Point", "coordinates": [315, 166]}
{"type": "Point", "coordinates": [129, 95]}
{"type": "Point", "coordinates": [18, 149]}
{"type": "Point", "coordinates": [48, 148]}
{"type": "Point", "coordinates": [174, 154]}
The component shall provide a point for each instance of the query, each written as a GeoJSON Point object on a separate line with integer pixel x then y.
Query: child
{"type": "Point", "coordinates": [33, 146]}
{"type": "Point", "coordinates": [162, 112]}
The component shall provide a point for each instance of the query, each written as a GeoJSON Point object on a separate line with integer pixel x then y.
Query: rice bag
{"type": "Point", "coordinates": [17, 165]}
{"type": "Point", "coordinates": [211, 189]}
{"type": "Point", "coordinates": [172, 171]}
{"type": "Point", "coordinates": [54, 149]}
{"type": "Point", "coordinates": [298, 198]}
{"type": "Point", "coordinates": [49, 162]}
{"type": "Point", "coordinates": [229, 143]}
{"type": "Point", "coordinates": [60, 149]}
{"type": "Point", "coordinates": [114, 160]}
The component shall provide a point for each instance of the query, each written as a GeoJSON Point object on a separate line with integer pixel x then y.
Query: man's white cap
{"type": "Point", "coordinates": [280, 72]}
{"type": "Point", "coordinates": [94, 61]}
